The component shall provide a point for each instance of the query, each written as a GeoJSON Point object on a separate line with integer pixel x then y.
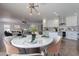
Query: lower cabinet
{"type": "Point", "coordinates": [72, 35]}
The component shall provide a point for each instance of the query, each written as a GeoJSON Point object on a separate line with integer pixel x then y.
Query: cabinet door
{"type": "Point", "coordinates": [53, 23]}
{"type": "Point", "coordinates": [71, 21]}
{"type": "Point", "coordinates": [71, 35]}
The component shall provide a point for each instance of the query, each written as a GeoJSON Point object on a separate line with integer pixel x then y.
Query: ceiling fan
{"type": "Point", "coordinates": [33, 6]}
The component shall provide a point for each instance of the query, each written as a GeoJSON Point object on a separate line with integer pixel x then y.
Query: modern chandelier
{"type": "Point", "coordinates": [35, 7]}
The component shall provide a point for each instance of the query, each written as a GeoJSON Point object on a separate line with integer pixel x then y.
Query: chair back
{"type": "Point", "coordinates": [55, 46]}
{"type": "Point", "coordinates": [10, 49]}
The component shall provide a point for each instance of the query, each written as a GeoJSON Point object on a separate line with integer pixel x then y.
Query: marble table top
{"type": "Point", "coordinates": [25, 42]}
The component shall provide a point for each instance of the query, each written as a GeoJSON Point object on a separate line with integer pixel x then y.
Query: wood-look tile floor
{"type": "Point", "coordinates": [68, 48]}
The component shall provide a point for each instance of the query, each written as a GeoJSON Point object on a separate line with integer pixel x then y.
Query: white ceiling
{"type": "Point", "coordinates": [46, 10]}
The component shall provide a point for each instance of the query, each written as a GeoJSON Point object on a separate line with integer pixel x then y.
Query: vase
{"type": "Point", "coordinates": [33, 37]}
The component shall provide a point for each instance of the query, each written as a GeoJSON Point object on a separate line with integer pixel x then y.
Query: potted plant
{"type": "Point", "coordinates": [33, 30]}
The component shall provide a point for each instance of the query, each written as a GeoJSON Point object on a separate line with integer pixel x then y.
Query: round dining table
{"type": "Point", "coordinates": [25, 43]}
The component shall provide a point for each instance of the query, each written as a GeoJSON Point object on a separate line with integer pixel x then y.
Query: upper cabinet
{"type": "Point", "coordinates": [53, 23]}
{"type": "Point", "coordinates": [71, 21]}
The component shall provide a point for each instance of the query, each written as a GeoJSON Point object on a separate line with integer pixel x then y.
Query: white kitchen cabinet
{"type": "Point", "coordinates": [53, 23]}
{"type": "Point", "coordinates": [71, 21]}
{"type": "Point", "coordinates": [73, 35]}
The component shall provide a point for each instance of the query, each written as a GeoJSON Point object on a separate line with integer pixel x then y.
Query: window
{"type": "Point", "coordinates": [6, 27]}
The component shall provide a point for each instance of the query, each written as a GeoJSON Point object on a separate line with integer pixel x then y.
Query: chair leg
{"type": "Point", "coordinates": [54, 54]}
{"type": "Point", "coordinates": [42, 53]}
{"type": "Point", "coordinates": [59, 54]}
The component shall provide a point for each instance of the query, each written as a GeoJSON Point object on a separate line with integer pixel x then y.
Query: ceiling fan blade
{"type": "Point", "coordinates": [36, 6]}
{"type": "Point", "coordinates": [35, 10]}
{"type": "Point", "coordinates": [30, 10]}
{"type": "Point", "coordinates": [32, 6]}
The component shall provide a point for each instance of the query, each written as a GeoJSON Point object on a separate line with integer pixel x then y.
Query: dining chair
{"type": "Point", "coordinates": [55, 47]}
{"type": "Point", "coordinates": [10, 49]}
{"type": "Point", "coordinates": [13, 51]}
